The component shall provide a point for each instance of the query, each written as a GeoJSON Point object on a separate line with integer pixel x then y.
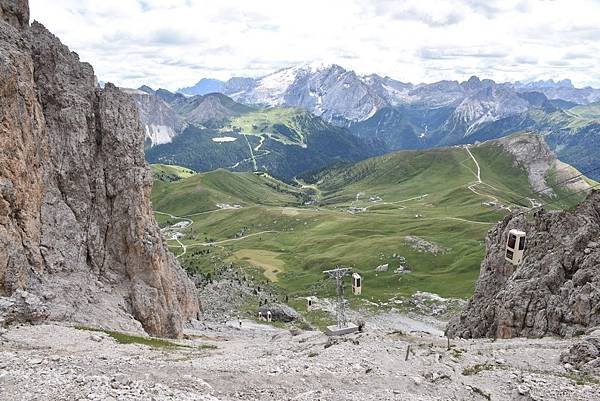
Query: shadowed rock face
{"type": "Point", "coordinates": [76, 227]}
{"type": "Point", "coordinates": [555, 291]}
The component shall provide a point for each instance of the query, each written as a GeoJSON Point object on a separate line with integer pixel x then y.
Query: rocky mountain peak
{"type": "Point", "coordinates": [202, 87]}
{"type": "Point", "coordinates": [146, 88]}
{"type": "Point", "coordinates": [167, 95]}
{"type": "Point", "coordinates": [472, 83]}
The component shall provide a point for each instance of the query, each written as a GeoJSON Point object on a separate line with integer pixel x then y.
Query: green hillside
{"type": "Point", "coordinates": [590, 111]}
{"type": "Point", "coordinates": [572, 131]}
{"type": "Point", "coordinates": [202, 192]}
{"type": "Point", "coordinates": [170, 173]}
{"type": "Point", "coordinates": [573, 134]}
{"type": "Point", "coordinates": [422, 206]}
{"type": "Point", "coordinates": [286, 125]}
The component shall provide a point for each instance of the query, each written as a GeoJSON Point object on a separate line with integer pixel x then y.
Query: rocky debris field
{"type": "Point", "coordinates": [260, 362]}
{"type": "Point", "coordinates": [241, 291]}
{"type": "Point", "coordinates": [422, 245]}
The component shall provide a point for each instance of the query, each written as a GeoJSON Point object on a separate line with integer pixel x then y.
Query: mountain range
{"type": "Point", "coordinates": [376, 114]}
{"type": "Point", "coordinates": [213, 131]}
{"type": "Point", "coordinates": [342, 97]}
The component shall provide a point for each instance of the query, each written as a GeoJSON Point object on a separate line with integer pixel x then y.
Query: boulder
{"type": "Point", "coordinates": [280, 312]}
{"type": "Point", "coordinates": [22, 307]}
{"type": "Point", "coordinates": [585, 354]}
{"type": "Point", "coordinates": [382, 268]}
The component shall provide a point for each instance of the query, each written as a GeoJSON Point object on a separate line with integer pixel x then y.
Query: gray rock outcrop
{"type": "Point", "coordinates": [22, 307]}
{"type": "Point", "coordinates": [555, 291]}
{"type": "Point", "coordinates": [76, 227]}
{"type": "Point", "coordinates": [280, 312]}
{"type": "Point", "coordinates": [585, 354]}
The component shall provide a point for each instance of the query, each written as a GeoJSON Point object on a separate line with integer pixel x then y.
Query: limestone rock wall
{"type": "Point", "coordinates": [555, 291]}
{"type": "Point", "coordinates": [76, 227]}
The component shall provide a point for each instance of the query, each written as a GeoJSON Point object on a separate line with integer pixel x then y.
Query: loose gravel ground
{"type": "Point", "coordinates": [260, 362]}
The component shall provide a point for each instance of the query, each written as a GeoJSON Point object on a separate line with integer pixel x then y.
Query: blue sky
{"type": "Point", "coordinates": [174, 43]}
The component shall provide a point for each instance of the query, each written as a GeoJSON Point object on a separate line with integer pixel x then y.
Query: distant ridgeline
{"type": "Point", "coordinates": [310, 116]}
{"type": "Point", "coordinates": [216, 132]}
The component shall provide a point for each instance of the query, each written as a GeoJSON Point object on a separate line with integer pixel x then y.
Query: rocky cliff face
{"type": "Point", "coordinates": [76, 228]}
{"type": "Point", "coordinates": [485, 100]}
{"type": "Point", "coordinates": [555, 291]}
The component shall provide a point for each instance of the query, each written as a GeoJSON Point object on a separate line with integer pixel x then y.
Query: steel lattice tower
{"type": "Point", "coordinates": [338, 275]}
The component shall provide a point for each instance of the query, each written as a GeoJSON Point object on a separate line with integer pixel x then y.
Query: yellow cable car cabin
{"type": "Point", "coordinates": [515, 247]}
{"type": "Point", "coordinates": [356, 284]}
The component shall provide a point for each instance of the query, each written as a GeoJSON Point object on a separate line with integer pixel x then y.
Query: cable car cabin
{"type": "Point", "coordinates": [356, 284]}
{"type": "Point", "coordinates": [515, 247]}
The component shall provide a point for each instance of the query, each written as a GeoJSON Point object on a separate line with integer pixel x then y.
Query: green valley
{"type": "Point", "coordinates": [422, 210]}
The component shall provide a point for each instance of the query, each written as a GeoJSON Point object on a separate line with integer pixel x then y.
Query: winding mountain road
{"type": "Point", "coordinates": [175, 229]}
{"type": "Point", "coordinates": [478, 175]}
{"type": "Point", "coordinates": [480, 181]}
{"type": "Point", "coordinates": [190, 222]}
{"type": "Point", "coordinates": [232, 239]}
{"type": "Point", "coordinates": [185, 247]}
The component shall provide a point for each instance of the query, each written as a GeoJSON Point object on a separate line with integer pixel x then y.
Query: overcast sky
{"type": "Point", "coordinates": [174, 43]}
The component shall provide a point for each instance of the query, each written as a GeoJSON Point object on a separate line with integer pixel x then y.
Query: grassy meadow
{"type": "Point", "coordinates": [291, 241]}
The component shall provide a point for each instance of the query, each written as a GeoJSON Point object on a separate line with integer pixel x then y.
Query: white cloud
{"type": "Point", "coordinates": [174, 43]}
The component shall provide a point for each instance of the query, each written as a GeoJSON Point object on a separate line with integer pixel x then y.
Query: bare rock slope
{"type": "Point", "coordinates": [159, 119]}
{"type": "Point", "coordinates": [76, 227]}
{"type": "Point", "coordinates": [531, 152]}
{"type": "Point", "coordinates": [555, 291]}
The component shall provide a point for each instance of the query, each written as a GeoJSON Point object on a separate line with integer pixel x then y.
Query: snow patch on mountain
{"type": "Point", "coordinates": [222, 139]}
